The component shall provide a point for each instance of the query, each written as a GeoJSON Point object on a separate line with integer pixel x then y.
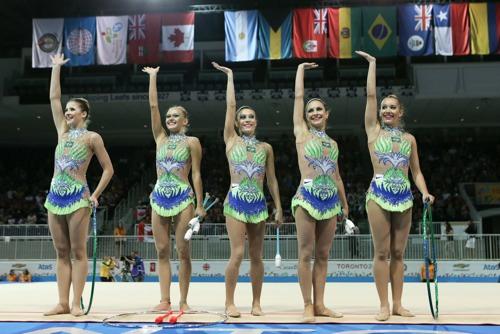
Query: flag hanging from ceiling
{"type": "Point", "coordinates": [275, 34]}
{"type": "Point", "coordinates": [310, 29]}
{"type": "Point", "coordinates": [415, 30]}
{"type": "Point", "coordinates": [379, 30]}
{"type": "Point", "coordinates": [178, 37]}
{"type": "Point", "coordinates": [144, 32]}
{"type": "Point", "coordinates": [451, 25]}
{"type": "Point", "coordinates": [79, 40]}
{"type": "Point", "coordinates": [241, 35]}
{"type": "Point", "coordinates": [47, 41]}
{"type": "Point", "coordinates": [460, 28]}
{"type": "Point", "coordinates": [344, 30]}
{"type": "Point", "coordinates": [112, 40]}
{"type": "Point", "coordinates": [484, 27]}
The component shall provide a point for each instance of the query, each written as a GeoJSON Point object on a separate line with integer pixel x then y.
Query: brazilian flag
{"type": "Point", "coordinates": [379, 27]}
{"type": "Point", "coordinates": [275, 34]}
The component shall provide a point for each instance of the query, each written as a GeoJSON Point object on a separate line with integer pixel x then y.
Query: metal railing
{"type": "Point", "coordinates": [359, 247]}
{"type": "Point", "coordinates": [123, 211]}
{"type": "Point", "coordinates": [23, 230]}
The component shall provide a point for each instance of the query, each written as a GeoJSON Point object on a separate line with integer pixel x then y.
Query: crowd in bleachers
{"type": "Point", "coordinates": [456, 159]}
{"type": "Point", "coordinates": [446, 160]}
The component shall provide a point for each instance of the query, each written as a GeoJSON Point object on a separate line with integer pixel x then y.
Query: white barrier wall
{"type": "Point", "coordinates": [348, 269]}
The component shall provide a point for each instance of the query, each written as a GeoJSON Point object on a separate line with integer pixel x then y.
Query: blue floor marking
{"type": "Point", "coordinates": [98, 328]}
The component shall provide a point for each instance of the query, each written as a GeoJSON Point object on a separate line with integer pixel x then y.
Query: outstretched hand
{"type": "Point", "coordinates": [151, 70]}
{"type": "Point", "coordinates": [308, 66]}
{"type": "Point", "coordinates": [58, 59]}
{"type": "Point", "coordinates": [365, 55]}
{"type": "Point", "coordinates": [226, 70]}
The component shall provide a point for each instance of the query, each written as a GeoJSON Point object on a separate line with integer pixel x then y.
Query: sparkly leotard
{"type": "Point", "coordinates": [391, 190]}
{"type": "Point", "coordinates": [245, 200]}
{"type": "Point", "coordinates": [171, 193]}
{"type": "Point", "coordinates": [318, 195]}
{"type": "Point", "coordinates": [68, 193]}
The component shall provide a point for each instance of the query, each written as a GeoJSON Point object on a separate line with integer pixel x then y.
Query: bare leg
{"type": "Point", "coordinates": [256, 243]}
{"type": "Point", "coordinates": [325, 232]}
{"type": "Point", "coordinates": [78, 225]}
{"type": "Point", "coordinates": [400, 228]}
{"type": "Point", "coordinates": [306, 226]}
{"type": "Point", "coordinates": [380, 225]}
{"type": "Point", "coordinates": [60, 238]}
{"type": "Point", "coordinates": [184, 254]}
{"type": "Point", "coordinates": [161, 234]}
{"type": "Point", "coordinates": [236, 231]}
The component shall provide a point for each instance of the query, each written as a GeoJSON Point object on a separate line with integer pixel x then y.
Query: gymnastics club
{"type": "Point", "coordinates": [159, 319]}
{"type": "Point", "coordinates": [205, 200]}
{"type": "Point", "coordinates": [349, 226]}
{"type": "Point", "coordinates": [194, 224]}
{"type": "Point", "coordinates": [173, 319]}
{"type": "Point", "coordinates": [277, 259]}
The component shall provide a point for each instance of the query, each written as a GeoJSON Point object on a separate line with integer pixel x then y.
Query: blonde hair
{"type": "Point", "coordinates": [184, 112]}
{"type": "Point", "coordinates": [401, 108]}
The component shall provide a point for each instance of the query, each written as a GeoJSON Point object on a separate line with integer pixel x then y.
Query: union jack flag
{"type": "Point", "coordinates": [423, 16]}
{"type": "Point", "coordinates": [136, 27]}
{"type": "Point", "coordinates": [320, 21]}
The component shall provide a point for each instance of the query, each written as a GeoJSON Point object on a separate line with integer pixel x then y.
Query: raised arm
{"type": "Point", "coordinates": [195, 147]}
{"type": "Point", "coordinates": [229, 132]}
{"type": "Point", "coordinates": [107, 167]}
{"type": "Point", "coordinates": [416, 172]}
{"type": "Point", "coordinates": [55, 94]}
{"type": "Point", "coordinates": [272, 184]}
{"type": "Point", "coordinates": [372, 125]}
{"type": "Point", "coordinates": [299, 124]}
{"type": "Point", "coordinates": [158, 131]}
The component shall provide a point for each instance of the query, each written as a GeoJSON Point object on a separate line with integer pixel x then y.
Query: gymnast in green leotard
{"type": "Point", "coordinates": [320, 200]}
{"type": "Point", "coordinates": [69, 199]}
{"type": "Point", "coordinates": [172, 199]}
{"type": "Point", "coordinates": [389, 199]}
{"type": "Point", "coordinates": [250, 160]}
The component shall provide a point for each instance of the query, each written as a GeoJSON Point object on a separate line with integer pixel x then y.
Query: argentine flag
{"type": "Point", "coordinates": [241, 35]}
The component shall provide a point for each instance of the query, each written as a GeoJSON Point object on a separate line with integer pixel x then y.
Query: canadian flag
{"type": "Point", "coordinates": [177, 42]}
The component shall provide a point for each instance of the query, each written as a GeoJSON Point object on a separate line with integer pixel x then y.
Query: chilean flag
{"type": "Point", "coordinates": [177, 42]}
{"type": "Point", "coordinates": [451, 23]}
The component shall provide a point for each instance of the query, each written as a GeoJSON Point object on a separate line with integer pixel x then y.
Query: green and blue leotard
{"type": "Point", "coordinates": [67, 193]}
{"type": "Point", "coordinates": [319, 195]}
{"type": "Point", "coordinates": [171, 194]}
{"type": "Point", "coordinates": [245, 200]}
{"type": "Point", "coordinates": [391, 190]}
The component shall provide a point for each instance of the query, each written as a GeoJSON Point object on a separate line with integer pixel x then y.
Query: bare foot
{"type": "Point", "coordinates": [308, 315]}
{"type": "Point", "coordinates": [163, 306]}
{"type": "Point", "coordinates": [77, 311]}
{"type": "Point", "coordinates": [257, 311]}
{"type": "Point", "coordinates": [58, 309]}
{"type": "Point", "coordinates": [383, 314]}
{"type": "Point", "coordinates": [402, 312]}
{"type": "Point", "coordinates": [322, 311]}
{"type": "Point", "coordinates": [183, 306]}
{"type": "Point", "coordinates": [232, 311]}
